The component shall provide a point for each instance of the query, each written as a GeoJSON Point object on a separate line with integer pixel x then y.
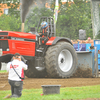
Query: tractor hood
{"type": "Point", "coordinates": [17, 34]}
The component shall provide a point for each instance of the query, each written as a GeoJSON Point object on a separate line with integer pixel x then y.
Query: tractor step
{"type": "Point", "coordinates": [40, 50]}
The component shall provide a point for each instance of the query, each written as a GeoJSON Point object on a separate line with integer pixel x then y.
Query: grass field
{"type": "Point", "coordinates": [3, 71]}
{"type": "Point", "coordinates": [65, 93]}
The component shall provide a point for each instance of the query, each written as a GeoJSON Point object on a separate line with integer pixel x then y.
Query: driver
{"type": "Point", "coordinates": [44, 26]}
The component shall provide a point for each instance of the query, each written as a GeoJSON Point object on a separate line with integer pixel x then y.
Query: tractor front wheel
{"type": "Point", "coordinates": [32, 72]}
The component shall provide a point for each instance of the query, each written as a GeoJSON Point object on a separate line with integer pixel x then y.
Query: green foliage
{"type": "Point", "coordinates": [98, 36]}
{"type": "Point", "coordinates": [3, 71]}
{"type": "Point", "coordinates": [33, 18]}
{"type": "Point", "coordinates": [13, 7]}
{"type": "Point", "coordinates": [74, 17]}
{"type": "Point", "coordinates": [10, 23]}
{"type": "Point", "coordinates": [71, 18]}
{"type": "Point", "coordinates": [75, 93]}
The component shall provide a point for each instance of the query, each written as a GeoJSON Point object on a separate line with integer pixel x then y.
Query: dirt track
{"type": "Point", "coordinates": [30, 83]}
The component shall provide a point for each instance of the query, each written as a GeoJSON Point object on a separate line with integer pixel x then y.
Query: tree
{"type": "Point", "coordinates": [72, 17]}
{"type": "Point", "coordinates": [98, 36]}
{"type": "Point", "coordinates": [33, 18]}
{"type": "Point", "coordinates": [10, 23]}
{"type": "Point", "coordinates": [13, 5]}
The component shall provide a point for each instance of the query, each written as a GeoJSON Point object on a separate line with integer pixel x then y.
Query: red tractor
{"type": "Point", "coordinates": [45, 54]}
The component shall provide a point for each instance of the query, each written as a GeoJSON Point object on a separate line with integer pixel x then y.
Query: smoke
{"type": "Point", "coordinates": [26, 4]}
{"type": "Point", "coordinates": [25, 8]}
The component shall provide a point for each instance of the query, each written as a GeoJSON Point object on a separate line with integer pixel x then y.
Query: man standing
{"type": "Point", "coordinates": [16, 74]}
{"type": "Point", "coordinates": [89, 40]}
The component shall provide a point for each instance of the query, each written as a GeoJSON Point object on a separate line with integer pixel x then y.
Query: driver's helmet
{"type": "Point", "coordinates": [44, 24]}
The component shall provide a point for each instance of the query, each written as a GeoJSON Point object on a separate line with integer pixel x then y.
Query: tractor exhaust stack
{"type": "Point", "coordinates": [22, 30]}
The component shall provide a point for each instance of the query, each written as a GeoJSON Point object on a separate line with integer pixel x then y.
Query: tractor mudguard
{"type": "Point", "coordinates": [54, 40]}
{"type": "Point", "coordinates": [6, 58]}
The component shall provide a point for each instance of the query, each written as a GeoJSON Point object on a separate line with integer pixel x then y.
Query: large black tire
{"type": "Point", "coordinates": [32, 72]}
{"type": "Point", "coordinates": [61, 60]}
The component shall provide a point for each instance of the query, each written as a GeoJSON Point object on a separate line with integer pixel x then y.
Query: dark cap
{"type": "Point", "coordinates": [16, 55]}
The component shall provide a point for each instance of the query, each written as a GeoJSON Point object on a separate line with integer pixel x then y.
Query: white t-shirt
{"type": "Point", "coordinates": [19, 66]}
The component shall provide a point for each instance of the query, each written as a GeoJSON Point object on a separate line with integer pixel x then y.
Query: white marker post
{"type": "Point", "coordinates": [56, 12]}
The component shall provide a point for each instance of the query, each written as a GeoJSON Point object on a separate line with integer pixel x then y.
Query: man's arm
{"type": "Point", "coordinates": [25, 66]}
{"type": "Point", "coordinates": [8, 66]}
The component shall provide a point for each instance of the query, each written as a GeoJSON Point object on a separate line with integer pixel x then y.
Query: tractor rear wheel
{"type": "Point", "coordinates": [61, 60]}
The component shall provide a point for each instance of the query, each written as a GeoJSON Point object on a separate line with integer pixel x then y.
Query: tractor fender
{"type": "Point", "coordinates": [54, 40]}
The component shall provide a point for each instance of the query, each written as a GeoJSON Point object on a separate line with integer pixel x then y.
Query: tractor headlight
{"type": "Point", "coordinates": [7, 49]}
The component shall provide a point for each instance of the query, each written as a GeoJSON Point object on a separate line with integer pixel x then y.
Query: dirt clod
{"type": "Point", "coordinates": [83, 73]}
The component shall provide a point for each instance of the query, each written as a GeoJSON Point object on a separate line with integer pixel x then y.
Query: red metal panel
{"type": "Point", "coordinates": [50, 41]}
{"type": "Point", "coordinates": [21, 35]}
{"type": "Point", "coordinates": [22, 47]}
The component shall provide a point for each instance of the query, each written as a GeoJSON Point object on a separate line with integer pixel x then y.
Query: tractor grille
{"type": "Point", "coordinates": [4, 45]}
{"type": "Point", "coordinates": [3, 33]}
